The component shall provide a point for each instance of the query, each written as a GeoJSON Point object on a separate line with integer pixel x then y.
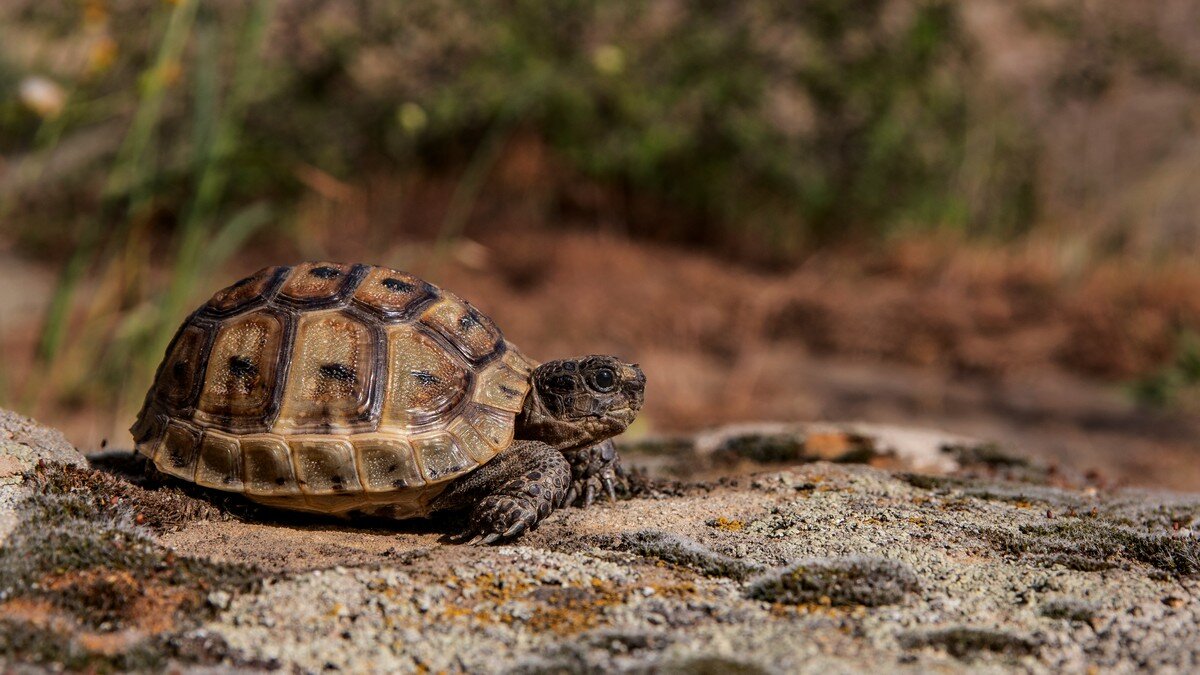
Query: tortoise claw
{"type": "Point", "coordinates": [491, 538]}
{"type": "Point", "coordinates": [609, 488]}
{"type": "Point", "coordinates": [593, 469]}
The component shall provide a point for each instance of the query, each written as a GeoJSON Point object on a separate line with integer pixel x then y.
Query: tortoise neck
{"type": "Point", "coordinates": [535, 423]}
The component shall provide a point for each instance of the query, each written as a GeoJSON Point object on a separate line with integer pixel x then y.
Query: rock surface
{"type": "Point", "coordinates": [23, 443]}
{"type": "Point", "coordinates": [817, 567]}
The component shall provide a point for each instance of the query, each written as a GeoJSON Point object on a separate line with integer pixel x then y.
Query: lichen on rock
{"type": "Point", "coordinates": [854, 581]}
{"type": "Point", "coordinates": [813, 568]}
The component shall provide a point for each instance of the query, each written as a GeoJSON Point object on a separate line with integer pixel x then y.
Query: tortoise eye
{"type": "Point", "coordinates": [604, 379]}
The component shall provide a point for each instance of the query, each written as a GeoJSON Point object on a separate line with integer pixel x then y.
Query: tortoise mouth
{"type": "Point", "coordinates": [622, 416]}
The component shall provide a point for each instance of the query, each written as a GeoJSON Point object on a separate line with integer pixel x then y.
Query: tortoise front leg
{"type": "Point", "coordinates": [592, 465]}
{"type": "Point", "coordinates": [510, 494]}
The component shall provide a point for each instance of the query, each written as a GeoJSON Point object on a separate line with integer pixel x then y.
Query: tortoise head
{"type": "Point", "coordinates": [580, 401]}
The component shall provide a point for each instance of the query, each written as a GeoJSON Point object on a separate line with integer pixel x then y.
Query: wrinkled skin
{"type": "Point", "coordinates": [594, 466]}
{"type": "Point", "coordinates": [561, 454]}
{"type": "Point", "coordinates": [579, 402]}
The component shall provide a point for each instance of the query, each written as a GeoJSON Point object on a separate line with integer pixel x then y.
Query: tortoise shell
{"type": "Point", "coordinates": [330, 387]}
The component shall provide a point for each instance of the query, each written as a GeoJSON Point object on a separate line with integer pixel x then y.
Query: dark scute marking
{"type": "Point", "coordinates": [426, 379]}
{"type": "Point", "coordinates": [468, 321]}
{"type": "Point", "coordinates": [398, 286]}
{"type": "Point", "coordinates": [397, 483]}
{"type": "Point", "coordinates": [391, 468]}
{"type": "Point", "coordinates": [324, 272]}
{"type": "Point", "coordinates": [338, 371]}
{"type": "Point", "coordinates": [336, 478]}
{"type": "Point", "coordinates": [243, 282]}
{"type": "Point", "coordinates": [280, 481]}
{"type": "Point", "coordinates": [338, 487]}
{"type": "Point", "coordinates": [179, 370]}
{"type": "Point", "coordinates": [508, 391]}
{"type": "Point", "coordinates": [241, 366]}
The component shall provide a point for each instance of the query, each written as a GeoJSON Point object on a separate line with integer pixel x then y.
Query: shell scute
{"type": "Point", "coordinates": [332, 375]}
{"type": "Point", "coordinates": [391, 295]}
{"type": "Point", "coordinates": [463, 326]}
{"type": "Point", "coordinates": [148, 431]}
{"type": "Point", "coordinates": [320, 284]}
{"type": "Point", "coordinates": [325, 466]}
{"type": "Point", "coordinates": [424, 380]}
{"type": "Point", "coordinates": [241, 374]}
{"type": "Point", "coordinates": [219, 464]}
{"type": "Point", "coordinates": [440, 457]}
{"type": "Point", "coordinates": [267, 467]}
{"type": "Point", "coordinates": [520, 363]}
{"type": "Point", "coordinates": [177, 454]}
{"type": "Point", "coordinates": [244, 294]}
{"type": "Point", "coordinates": [180, 376]}
{"type": "Point", "coordinates": [501, 387]}
{"type": "Point", "coordinates": [494, 426]}
{"type": "Point", "coordinates": [387, 464]}
{"type": "Point", "coordinates": [471, 440]}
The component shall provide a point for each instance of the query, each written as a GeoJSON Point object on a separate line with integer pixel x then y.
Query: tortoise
{"type": "Point", "coordinates": [350, 388]}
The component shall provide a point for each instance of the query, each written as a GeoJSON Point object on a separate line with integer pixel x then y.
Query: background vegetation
{"type": "Point", "coordinates": [146, 143]}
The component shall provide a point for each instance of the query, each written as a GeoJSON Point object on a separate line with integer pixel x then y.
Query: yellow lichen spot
{"type": "Point", "coordinates": [784, 611]}
{"type": "Point", "coordinates": [684, 589]}
{"type": "Point", "coordinates": [729, 525]}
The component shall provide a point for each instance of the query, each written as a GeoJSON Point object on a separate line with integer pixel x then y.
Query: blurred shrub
{"type": "Point", "coordinates": [1178, 384]}
{"type": "Point", "coordinates": [768, 125]}
{"type": "Point", "coordinates": [756, 126]}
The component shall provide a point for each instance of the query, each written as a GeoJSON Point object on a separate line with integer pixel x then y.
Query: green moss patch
{"type": "Point", "coordinates": [83, 585]}
{"type": "Point", "coordinates": [678, 550]}
{"type": "Point", "coordinates": [153, 506]}
{"type": "Point", "coordinates": [762, 448]}
{"type": "Point", "coordinates": [1099, 543]}
{"type": "Point", "coordinates": [53, 646]}
{"type": "Point", "coordinates": [964, 643]}
{"type": "Point", "coordinates": [867, 582]}
{"type": "Point", "coordinates": [1001, 491]}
